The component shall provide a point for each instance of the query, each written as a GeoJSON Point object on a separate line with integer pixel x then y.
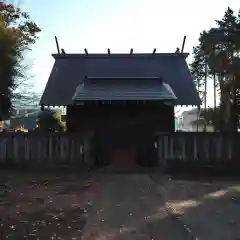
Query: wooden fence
{"type": "Point", "coordinates": [188, 151]}
{"type": "Point", "coordinates": [45, 150]}
{"type": "Point", "coordinates": [176, 152]}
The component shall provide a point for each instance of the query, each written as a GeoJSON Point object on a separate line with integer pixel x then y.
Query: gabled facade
{"type": "Point", "coordinates": [121, 99]}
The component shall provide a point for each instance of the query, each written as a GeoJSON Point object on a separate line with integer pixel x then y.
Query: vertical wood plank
{"type": "Point", "coordinates": [3, 149]}
{"type": "Point", "coordinates": [183, 149]}
{"type": "Point", "coordinates": [171, 141]}
{"type": "Point", "coordinates": [229, 149]}
{"type": "Point", "coordinates": [26, 148]}
{"type": "Point", "coordinates": [44, 150]}
{"type": "Point", "coordinates": [160, 150]}
{"type": "Point", "coordinates": [195, 148]}
{"type": "Point", "coordinates": [166, 147]}
{"type": "Point", "coordinates": [61, 149]}
{"type": "Point", "coordinates": [15, 149]}
{"type": "Point", "coordinates": [39, 150]}
{"type": "Point", "coordinates": [72, 150]}
{"type": "Point", "coordinates": [219, 147]}
{"type": "Point", "coordinates": [50, 149]}
{"type": "Point", "coordinates": [82, 152]}
{"type": "Point", "coordinates": [206, 148]}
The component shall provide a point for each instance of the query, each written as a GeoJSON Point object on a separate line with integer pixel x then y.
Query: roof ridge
{"type": "Point", "coordinates": [113, 77]}
{"type": "Point", "coordinates": [118, 55]}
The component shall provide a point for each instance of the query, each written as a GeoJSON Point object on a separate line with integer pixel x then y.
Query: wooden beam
{"type": "Point", "coordinates": [58, 49]}
{"type": "Point", "coordinates": [183, 44]}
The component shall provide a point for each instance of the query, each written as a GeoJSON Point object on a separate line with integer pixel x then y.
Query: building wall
{"type": "Point", "coordinates": [121, 126]}
{"type": "Point", "coordinates": [188, 119]}
{"type": "Point", "coordinates": [201, 127]}
{"type": "Point", "coordinates": [92, 117]}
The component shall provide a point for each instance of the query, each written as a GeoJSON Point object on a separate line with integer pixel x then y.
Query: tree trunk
{"type": "Point", "coordinates": [234, 110]}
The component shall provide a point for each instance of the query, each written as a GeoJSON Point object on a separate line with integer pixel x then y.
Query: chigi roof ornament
{"type": "Point", "coordinates": [58, 49]}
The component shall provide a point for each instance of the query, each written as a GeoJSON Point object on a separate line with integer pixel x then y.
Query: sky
{"type": "Point", "coordinates": [119, 25]}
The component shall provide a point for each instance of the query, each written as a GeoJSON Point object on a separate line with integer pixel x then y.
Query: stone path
{"type": "Point", "coordinates": [129, 206]}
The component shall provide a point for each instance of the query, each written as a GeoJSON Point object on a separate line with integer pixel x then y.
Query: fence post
{"type": "Point", "coordinates": [171, 147]}
{"type": "Point", "coordinates": [206, 148]}
{"type": "Point", "coordinates": [165, 152]}
{"type": "Point", "coordinates": [3, 150]}
{"type": "Point", "coordinates": [89, 161]}
{"type": "Point", "coordinates": [159, 150]}
{"type": "Point", "coordinates": [72, 149]}
{"type": "Point", "coordinates": [230, 148]}
{"type": "Point", "coordinates": [39, 148]}
{"type": "Point", "coordinates": [15, 149]}
{"type": "Point", "coordinates": [63, 148]}
{"type": "Point", "coordinates": [50, 149]}
{"type": "Point", "coordinates": [183, 147]}
{"type": "Point", "coordinates": [219, 147]}
{"type": "Point", "coordinates": [195, 148]}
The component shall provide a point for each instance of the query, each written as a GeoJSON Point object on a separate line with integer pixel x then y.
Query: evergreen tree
{"type": "Point", "coordinates": [17, 33]}
{"type": "Point", "coordinates": [217, 56]}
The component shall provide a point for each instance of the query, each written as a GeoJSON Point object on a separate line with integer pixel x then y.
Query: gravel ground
{"type": "Point", "coordinates": [210, 209]}
{"type": "Point", "coordinates": [129, 206]}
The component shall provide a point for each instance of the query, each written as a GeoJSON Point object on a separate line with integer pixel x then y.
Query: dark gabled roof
{"type": "Point", "coordinates": [71, 69]}
{"type": "Point", "coordinates": [123, 89]}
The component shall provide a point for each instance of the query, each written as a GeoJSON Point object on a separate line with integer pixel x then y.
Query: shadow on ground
{"type": "Point", "coordinates": [130, 207]}
{"type": "Point", "coordinates": [210, 208]}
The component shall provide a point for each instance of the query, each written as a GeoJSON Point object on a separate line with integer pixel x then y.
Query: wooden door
{"type": "Point", "coordinates": [123, 156]}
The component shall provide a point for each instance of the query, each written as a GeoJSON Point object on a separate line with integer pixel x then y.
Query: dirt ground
{"type": "Point", "coordinates": [210, 209]}
{"type": "Point", "coordinates": [44, 206]}
{"type": "Point", "coordinates": [128, 207]}
{"type": "Point", "coordinates": [58, 206]}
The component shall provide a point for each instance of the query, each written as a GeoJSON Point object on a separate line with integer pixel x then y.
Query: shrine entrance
{"type": "Point", "coordinates": [124, 156]}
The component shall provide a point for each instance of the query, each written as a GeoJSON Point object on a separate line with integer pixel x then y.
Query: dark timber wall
{"type": "Point", "coordinates": [121, 125]}
{"type": "Point", "coordinates": [150, 116]}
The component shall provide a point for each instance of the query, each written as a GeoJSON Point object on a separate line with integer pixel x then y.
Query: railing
{"type": "Point", "coordinates": [45, 150]}
{"type": "Point", "coordinates": [199, 151]}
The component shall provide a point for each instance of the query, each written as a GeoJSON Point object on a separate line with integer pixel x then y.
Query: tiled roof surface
{"type": "Point", "coordinates": [123, 89]}
{"type": "Point", "coordinates": [71, 69]}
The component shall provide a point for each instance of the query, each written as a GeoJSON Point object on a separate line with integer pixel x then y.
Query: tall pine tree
{"type": "Point", "coordinates": [219, 48]}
